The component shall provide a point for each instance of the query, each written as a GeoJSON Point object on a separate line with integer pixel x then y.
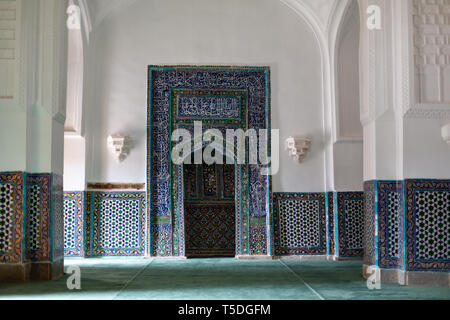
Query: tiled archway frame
{"type": "Point", "coordinates": [168, 86]}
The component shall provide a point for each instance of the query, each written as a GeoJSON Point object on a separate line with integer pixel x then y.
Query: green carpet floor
{"type": "Point", "coordinates": [216, 279]}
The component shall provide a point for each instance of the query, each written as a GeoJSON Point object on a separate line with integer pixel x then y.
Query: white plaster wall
{"type": "Point", "coordinates": [204, 32]}
{"type": "Point", "coordinates": [74, 163]}
{"type": "Point", "coordinates": [348, 167]}
{"type": "Point", "coordinates": [348, 151]}
{"type": "Point", "coordinates": [426, 155]}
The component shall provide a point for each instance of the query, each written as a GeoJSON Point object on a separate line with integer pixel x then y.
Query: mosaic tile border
{"type": "Point", "coordinates": [410, 189]}
{"type": "Point", "coordinates": [331, 224]}
{"type": "Point", "coordinates": [370, 213]}
{"type": "Point", "coordinates": [57, 217]}
{"type": "Point", "coordinates": [78, 249]}
{"type": "Point", "coordinates": [94, 211]}
{"type": "Point", "coordinates": [282, 251]}
{"type": "Point", "coordinates": [16, 254]}
{"type": "Point", "coordinates": [384, 188]}
{"type": "Point", "coordinates": [44, 183]}
{"type": "Point", "coordinates": [342, 197]}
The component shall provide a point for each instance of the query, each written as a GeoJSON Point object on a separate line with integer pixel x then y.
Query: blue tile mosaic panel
{"type": "Point", "coordinates": [38, 235]}
{"type": "Point", "coordinates": [350, 224]}
{"type": "Point", "coordinates": [74, 224]}
{"type": "Point", "coordinates": [12, 224]}
{"type": "Point", "coordinates": [299, 224]}
{"type": "Point", "coordinates": [118, 224]}
{"type": "Point", "coordinates": [6, 216]}
{"type": "Point", "coordinates": [57, 217]}
{"type": "Point", "coordinates": [390, 224]}
{"type": "Point", "coordinates": [331, 224]}
{"type": "Point", "coordinates": [370, 248]}
{"type": "Point", "coordinates": [427, 225]}
{"type": "Point", "coordinates": [221, 97]}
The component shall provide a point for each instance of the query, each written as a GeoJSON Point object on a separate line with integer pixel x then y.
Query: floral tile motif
{"type": "Point", "coordinates": [161, 235]}
{"type": "Point", "coordinates": [350, 223]}
{"type": "Point", "coordinates": [300, 224]}
{"type": "Point", "coordinates": [12, 192]}
{"type": "Point", "coordinates": [258, 239]}
{"type": "Point", "coordinates": [74, 224]}
{"type": "Point", "coordinates": [427, 225]}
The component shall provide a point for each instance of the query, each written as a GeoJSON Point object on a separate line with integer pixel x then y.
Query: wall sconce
{"type": "Point", "coordinates": [119, 146]}
{"type": "Point", "coordinates": [298, 147]}
{"type": "Point", "coordinates": [446, 133]}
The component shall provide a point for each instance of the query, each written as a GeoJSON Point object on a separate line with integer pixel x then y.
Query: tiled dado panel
{"type": "Point", "coordinates": [370, 212]}
{"type": "Point", "coordinates": [74, 224]}
{"type": "Point", "coordinates": [383, 225]}
{"type": "Point", "coordinates": [331, 229]}
{"type": "Point", "coordinates": [12, 224]}
{"type": "Point", "coordinates": [350, 224]}
{"type": "Point", "coordinates": [99, 224]}
{"type": "Point", "coordinates": [413, 233]}
{"type": "Point", "coordinates": [299, 224]}
{"type": "Point", "coordinates": [39, 202]}
{"type": "Point", "coordinates": [30, 217]}
{"type": "Point", "coordinates": [427, 225]}
{"type": "Point", "coordinates": [116, 223]}
{"type": "Point", "coordinates": [390, 224]}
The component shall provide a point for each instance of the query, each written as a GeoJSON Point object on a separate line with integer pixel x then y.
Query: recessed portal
{"type": "Point", "coordinates": [210, 210]}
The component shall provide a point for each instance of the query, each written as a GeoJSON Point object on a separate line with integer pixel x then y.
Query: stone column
{"type": "Point", "coordinates": [32, 119]}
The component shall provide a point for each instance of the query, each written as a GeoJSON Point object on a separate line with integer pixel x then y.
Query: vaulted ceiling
{"type": "Point", "coordinates": [101, 9]}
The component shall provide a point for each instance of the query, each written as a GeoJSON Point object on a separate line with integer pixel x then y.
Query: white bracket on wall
{"type": "Point", "coordinates": [119, 146]}
{"type": "Point", "coordinates": [298, 147]}
{"type": "Point", "coordinates": [446, 133]}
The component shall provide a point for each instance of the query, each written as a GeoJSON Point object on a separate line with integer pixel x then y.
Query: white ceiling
{"type": "Point", "coordinates": [101, 9]}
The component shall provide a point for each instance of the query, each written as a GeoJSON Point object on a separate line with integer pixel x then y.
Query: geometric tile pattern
{"type": "Point", "coordinates": [354, 224]}
{"type": "Point", "coordinates": [369, 223]}
{"type": "Point", "coordinates": [300, 224]}
{"type": "Point", "coordinates": [221, 101]}
{"type": "Point", "coordinates": [390, 224]}
{"type": "Point", "coordinates": [57, 217]}
{"type": "Point", "coordinates": [118, 224]}
{"type": "Point", "coordinates": [427, 225]}
{"type": "Point", "coordinates": [350, 223]}
{"type": "Point", "coordinates": [432, 225]}
{"type": "Point", "coordinates": [12, 190]}
{"type": "Point", "coordinates": [394, 225]}
{"type": "Point", "coordinates": [34, 217]}
{"type": "Point", "coordinates": [73, 224]}
{"type": "Point", "coordinates": [38, 235]}
{"type": "Point", "coordinates": [6, 216]}
{"type": "Point", "coordinates": [331, 232]}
